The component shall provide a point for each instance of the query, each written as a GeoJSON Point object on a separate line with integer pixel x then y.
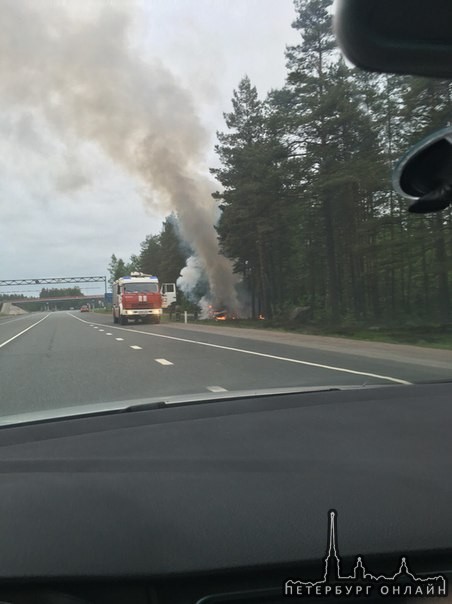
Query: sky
{"type": "Point", "coordinates": [65, 204]}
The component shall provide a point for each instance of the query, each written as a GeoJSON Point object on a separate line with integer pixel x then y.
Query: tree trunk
{"type": "Point", "coordinates": [333, 281]}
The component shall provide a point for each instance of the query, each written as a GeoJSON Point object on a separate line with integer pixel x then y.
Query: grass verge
{"type": "Point", "coordinates": [429, 336]}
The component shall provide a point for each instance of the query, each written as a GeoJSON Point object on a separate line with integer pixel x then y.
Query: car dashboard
{"type": "Point", "coordinates": [225, 501]}
{"type": "Point", "coordinates": [262, 586]}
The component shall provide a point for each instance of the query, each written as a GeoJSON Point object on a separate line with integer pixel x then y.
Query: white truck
{"type": "Point", "coordinates": [139, 296]}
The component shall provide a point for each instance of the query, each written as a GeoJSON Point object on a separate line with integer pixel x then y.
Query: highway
{"type": "Point", "coordinates": [61, 359]}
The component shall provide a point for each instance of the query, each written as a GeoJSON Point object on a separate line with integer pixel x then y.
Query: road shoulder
{"type": "Point", "coordinates": [427, 357]}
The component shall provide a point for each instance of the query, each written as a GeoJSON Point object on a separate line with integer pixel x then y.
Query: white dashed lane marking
{"type": "Point", "coordinates": [136, 347]}
{"type": "Point", "coordinates": [262, 354]}
{"type": "Point", "coordinates": [164, 362]}
{"type": "Point", "coordinates": [216, 389]}
{"type": "Point", "coordinates": [108, 334]}
{"type": "Point", "coordinates": [101, 330]}
{"type": "Point", "coordinates": [120, 339]}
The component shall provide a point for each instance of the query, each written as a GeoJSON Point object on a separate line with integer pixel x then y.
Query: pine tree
{"type": "Point", "coordinates": [173, 255]}
{"type": "Point", "coordinates": [251, 226]}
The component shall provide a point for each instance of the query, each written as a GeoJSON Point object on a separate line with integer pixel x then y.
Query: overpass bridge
{"type": "Point", "coordinates": [51, 300]}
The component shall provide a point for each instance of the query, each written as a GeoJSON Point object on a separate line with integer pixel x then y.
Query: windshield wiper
{"type": "Point", "coordinates": [234, 396]}
{"type": "Point", "coordinates": [130, 406]}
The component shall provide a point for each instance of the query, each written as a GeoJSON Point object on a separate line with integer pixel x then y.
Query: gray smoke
{"type": "Point", "coordinates": [80, 72]}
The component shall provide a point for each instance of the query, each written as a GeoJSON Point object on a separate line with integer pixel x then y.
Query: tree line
{"type": "Point", "coordinates": [308, 213]}
{"type": "Point", "coordinates": [53, 292]}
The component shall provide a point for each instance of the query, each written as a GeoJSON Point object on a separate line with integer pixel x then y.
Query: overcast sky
{"type": "Point", "coordinates": [66, 207]}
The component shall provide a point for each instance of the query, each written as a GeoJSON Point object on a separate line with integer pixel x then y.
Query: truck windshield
{"type": "Point", "coordinates": [152, 288]}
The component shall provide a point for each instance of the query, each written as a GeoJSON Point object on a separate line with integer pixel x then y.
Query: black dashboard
{"type": "Point", "coordinates": [224, 501]}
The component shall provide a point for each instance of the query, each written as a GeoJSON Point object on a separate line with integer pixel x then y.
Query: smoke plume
{"type": "Point", "coordinates": [80, 72]}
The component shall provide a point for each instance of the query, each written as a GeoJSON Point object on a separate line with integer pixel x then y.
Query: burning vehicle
{"type": "Point", "coordinates": [221, 313]}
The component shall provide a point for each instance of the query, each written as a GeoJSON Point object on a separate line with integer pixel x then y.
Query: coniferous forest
{"type": "Point", "coordinates": [309, 216]}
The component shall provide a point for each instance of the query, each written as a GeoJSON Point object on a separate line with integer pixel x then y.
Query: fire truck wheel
{"type": "Point", "coordinates": [124, 320]}
{"type": "Point", "coordinates": [115, 319]}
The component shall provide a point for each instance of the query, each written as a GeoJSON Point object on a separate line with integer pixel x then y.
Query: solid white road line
{"type": "Point", "coordinates": [264, 355]}
{"type": "Point", "coordinates": [136, 347]}
{"type": "Point", "coordinates": [120, 339]}
{"type": "Point", "coordinates": [216, 389]}
{"type": "Point", "coordinates": [23, 331]}
{"type": "Point", "coordinates": [164, 362]}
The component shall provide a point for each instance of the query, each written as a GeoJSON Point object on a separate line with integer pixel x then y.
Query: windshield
{"type": "Point", "coordinates": [229, 150]}
{"type": "Point", "coordinates": [152, 288]}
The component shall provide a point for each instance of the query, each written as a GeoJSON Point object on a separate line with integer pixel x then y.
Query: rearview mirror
{"type": "Point", "coordinates": [424, 174]}
{"type": "Point", "coordinates": [397, 36]}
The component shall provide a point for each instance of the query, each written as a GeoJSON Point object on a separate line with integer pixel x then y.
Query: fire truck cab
{"type": "Point", "coordinates": [168, 291]}
{"type": "Point", "coordinates": [138, 296]}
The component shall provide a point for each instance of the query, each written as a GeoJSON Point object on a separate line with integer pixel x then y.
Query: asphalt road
{"type": "Point", "coordinates": [63, 359]}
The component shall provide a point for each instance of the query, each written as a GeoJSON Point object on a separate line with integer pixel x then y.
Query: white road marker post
{"type": "Point", "coordinates": [185, 316]}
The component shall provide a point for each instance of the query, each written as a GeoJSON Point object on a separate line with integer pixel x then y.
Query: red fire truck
{"type": "Point", "coordinates": [139, 296]}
